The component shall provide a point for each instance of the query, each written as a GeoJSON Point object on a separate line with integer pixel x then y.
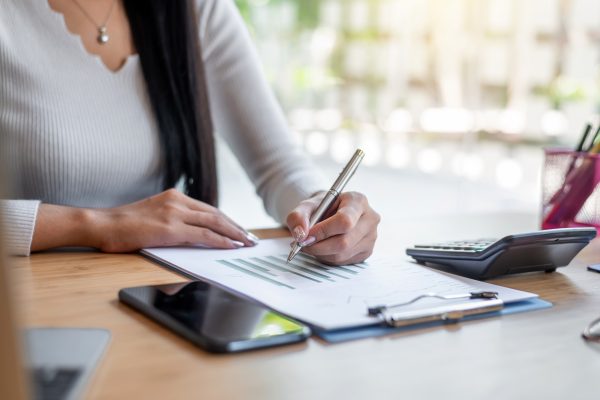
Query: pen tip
{"type": "Point", "coordinates": [293, 253]}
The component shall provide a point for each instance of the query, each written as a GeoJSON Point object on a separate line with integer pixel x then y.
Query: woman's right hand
{"type": "Point", "coordinates": [169, 218]}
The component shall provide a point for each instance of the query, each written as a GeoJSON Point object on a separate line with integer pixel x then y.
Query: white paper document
{"type": "Point", "coordinates": [324, 296]}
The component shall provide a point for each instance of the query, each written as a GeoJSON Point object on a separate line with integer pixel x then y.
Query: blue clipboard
{"type": "Point", "coordinates": [343, 335]}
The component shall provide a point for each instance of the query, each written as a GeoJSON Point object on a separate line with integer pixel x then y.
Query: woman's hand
{"type": "Point", "coordinates": [346, 235]}
{"type": "Point", "coordinates": [167, 219]}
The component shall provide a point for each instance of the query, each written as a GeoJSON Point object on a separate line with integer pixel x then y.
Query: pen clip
{"type": "Point", "coordinates": [380, 309]}
{"type": "Point", "coordinates": [449, 313]}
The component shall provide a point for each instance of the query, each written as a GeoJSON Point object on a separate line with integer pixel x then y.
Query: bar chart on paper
{"type": "Point", "coordinates": [273, 268]}
{"type": "Point", "coordinates": [329, 297]}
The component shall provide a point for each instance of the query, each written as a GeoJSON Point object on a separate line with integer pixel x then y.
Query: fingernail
{"type": "Point", "coordinates": [308, 241]}
{"type": "Point", "coordinates": [237, 244]}
{"type": "Point", "coordinates": [252, 237]}
{"type": "Point", "coordinates": [298, 233]}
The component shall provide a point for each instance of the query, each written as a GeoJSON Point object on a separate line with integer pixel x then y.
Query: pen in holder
{"type": "Point", "coordinates": [569, 189]}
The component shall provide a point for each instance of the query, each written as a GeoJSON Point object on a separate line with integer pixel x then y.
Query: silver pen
{"type": "Point", "coordinates": [331, 195]}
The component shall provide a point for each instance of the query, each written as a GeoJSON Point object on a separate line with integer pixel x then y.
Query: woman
{"type": "Point", "coordinates": [107, 104]}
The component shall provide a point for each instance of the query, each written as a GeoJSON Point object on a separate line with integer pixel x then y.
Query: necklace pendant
{"type": "Point", "coordinates": [102, 35]}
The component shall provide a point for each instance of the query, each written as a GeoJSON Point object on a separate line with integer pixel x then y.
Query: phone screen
{"type": "Point", "coordinates": [213, 318]}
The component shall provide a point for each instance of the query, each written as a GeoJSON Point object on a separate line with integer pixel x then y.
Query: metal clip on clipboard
{"type": "Point", "coordinates": [484, 302]}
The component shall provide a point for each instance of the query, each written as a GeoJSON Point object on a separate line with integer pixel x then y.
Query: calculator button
{"type": "Point", "coordinates": [467, 246]}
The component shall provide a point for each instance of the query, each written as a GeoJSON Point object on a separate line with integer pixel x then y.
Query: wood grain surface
{"type": "Point", "coordinates": [530, 355]}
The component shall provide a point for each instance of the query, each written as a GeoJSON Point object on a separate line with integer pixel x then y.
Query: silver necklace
{"type": "Point", "coordinates": [102, 37]}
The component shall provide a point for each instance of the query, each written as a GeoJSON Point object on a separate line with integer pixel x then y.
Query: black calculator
{"type": "Point", "coordinates": [543, 250]}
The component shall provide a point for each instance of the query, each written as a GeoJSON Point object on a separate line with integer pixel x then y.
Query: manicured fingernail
{"type": "Point", "coordinates": [252, 237]}
{"type": "Point", "coordinates": [308, 241]}
{"type": "Point", "coordinates": [237, 244]}
{"type": "Point", "coordinates": [298, 233]}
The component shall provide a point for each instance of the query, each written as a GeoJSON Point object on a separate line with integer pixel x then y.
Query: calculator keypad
{"type": "Point", "coordinates": [467, 246]}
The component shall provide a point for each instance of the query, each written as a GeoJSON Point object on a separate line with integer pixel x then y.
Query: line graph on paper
{"type": "Point", "coordinates": [415, 280]}
{"type": "Point", "coordinates": [303, 269]}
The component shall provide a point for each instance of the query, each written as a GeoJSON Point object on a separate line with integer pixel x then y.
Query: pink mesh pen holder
{"type": "Point", "coordinates": [570, 191]}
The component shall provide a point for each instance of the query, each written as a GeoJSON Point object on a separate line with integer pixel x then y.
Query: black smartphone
{"type": "Point", "coordinates": [212, 318]}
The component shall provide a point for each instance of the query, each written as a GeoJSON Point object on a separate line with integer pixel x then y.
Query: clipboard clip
{"type": "Point", "coordinates": [487, 301]}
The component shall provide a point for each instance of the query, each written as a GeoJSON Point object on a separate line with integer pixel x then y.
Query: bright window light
{"type": "Point", "coordinates": [302, 119]}
{"type": "Point", "coordinates": [370, 143]}
{"type": "Point", "coordinates": [489, 120]}
{"type": "Point", "coordinates": [554, 123]}
{"type": "Point", "coordinates": [511, 121]}
{"type": "Point", "coordinates": [323, 42]}
{"type": "Point", "coordinates": [509, 173]}
{"type": "Point", "coordinates": [316, 143]}
{"type": "Point", "coordinates": [399, 121]}
{"type": "Point", "coordinates": [467, 165]}
{"type": "Point", "coordinates": [474, 166]}
{"type": "Point", "coordinates": [429, 161]}
{"type": "Point", "coordinates": [342, 147]}
{"type": "Point", "coordinates": [447, 120]}
{"type": "Point", "coordinates": [458, 164]}
{"type": "Point", "coordinates": [397, 155]}
{"type": "Point", "coordinates": [329, 119]}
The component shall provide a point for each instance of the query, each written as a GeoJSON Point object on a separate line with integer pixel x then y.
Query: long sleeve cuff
{"type": "Point", "coordinates": [18, 218]}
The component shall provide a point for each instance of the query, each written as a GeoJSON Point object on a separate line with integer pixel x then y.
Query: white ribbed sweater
{"type": "Point", "coordinates": [74, 133]}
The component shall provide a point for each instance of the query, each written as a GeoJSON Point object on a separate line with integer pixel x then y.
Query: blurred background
{"type": "Point", "coordinates": [452, 100]}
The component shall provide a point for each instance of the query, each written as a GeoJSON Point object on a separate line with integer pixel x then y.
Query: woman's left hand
{"type": "Point", "coordinates": [347, 234]}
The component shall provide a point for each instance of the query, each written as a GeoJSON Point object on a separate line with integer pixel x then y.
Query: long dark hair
{"type": "Point", "coordinates": [165, 34]}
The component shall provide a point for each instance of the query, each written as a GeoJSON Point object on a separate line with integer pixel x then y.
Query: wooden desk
{"type": "Point", "coordinates": [531, 355]}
